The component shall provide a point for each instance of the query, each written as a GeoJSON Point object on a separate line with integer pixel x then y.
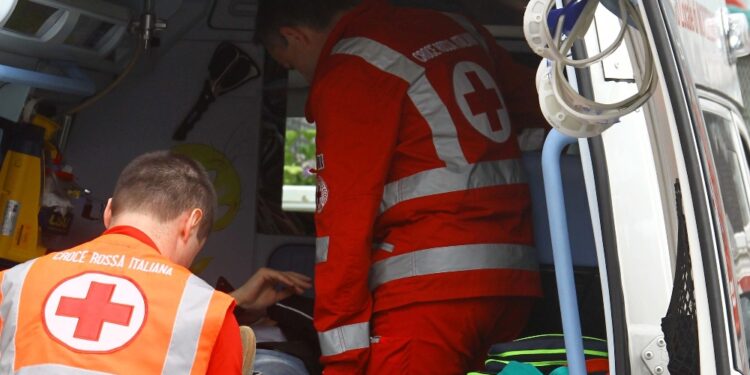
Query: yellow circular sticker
{"type": "Point", "coordinates": [225, 179]}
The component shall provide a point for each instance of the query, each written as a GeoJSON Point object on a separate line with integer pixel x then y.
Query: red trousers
{"type": "Point", "coordinates": [445, 337]}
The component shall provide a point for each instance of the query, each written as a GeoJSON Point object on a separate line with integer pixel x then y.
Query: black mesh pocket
{"type": "Point", "coordinates": [680, 325]}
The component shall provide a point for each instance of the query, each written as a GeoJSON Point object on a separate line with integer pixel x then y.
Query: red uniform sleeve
{"type": "Point", "coordinates": [357, 109]}
{"type": "Point", "coordinates": [226, 357]}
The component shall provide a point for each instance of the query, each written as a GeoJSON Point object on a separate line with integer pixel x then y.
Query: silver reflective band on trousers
{"type": "Point", "coordinates": [345, 338]}
{"type": "Point", "coordinates": [453, 259]}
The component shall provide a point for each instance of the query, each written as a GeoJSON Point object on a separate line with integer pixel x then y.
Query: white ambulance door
{"type": "Point", "coordinates": [691, 57]}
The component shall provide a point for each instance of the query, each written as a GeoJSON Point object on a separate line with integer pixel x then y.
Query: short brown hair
{"type": "Point", "coordinates": [163, 184]}
{"type": "Point", "coordinates": [272, 15]}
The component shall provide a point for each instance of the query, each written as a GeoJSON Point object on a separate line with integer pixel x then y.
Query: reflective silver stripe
{"type": "Point", "coordinates": [321, 249]}
{"type": "Point", "coordinates": [468, 26]}
{"type": "Point", "coordinates": [188, 324]}
{"type": "Point", "coordinates": [344, 339]}
{"type": "Point", "coordinates": [444, 135]}
{"type": "Point", "coordinates": [446, 180]}
{"type": "Point", "coordinates": [380, 56]}
{"type": "Point", "coordinates": [421, 92]}
{"type": "Point", "coordinates": [453, 259]}
{"type": "Point", "coordinates": [11, 287]}
{"type": "Point", "coordinates": [56, 369]}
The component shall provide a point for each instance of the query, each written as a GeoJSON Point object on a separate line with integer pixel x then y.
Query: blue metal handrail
{"type": "Point", "coordinates": [558, 225]}
{"type": "Point", "coordinates": [77, 85]}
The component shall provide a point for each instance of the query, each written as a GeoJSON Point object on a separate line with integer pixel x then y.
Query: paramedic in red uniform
{"type": "Point", "coordinates": [424, 235]}
{"type": "Point", "coordinates": [125, 303]}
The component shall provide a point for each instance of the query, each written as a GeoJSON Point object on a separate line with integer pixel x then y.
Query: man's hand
{"type": "Point", "coordinates": [266, 287]}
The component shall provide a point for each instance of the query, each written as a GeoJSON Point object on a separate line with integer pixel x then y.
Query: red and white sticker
{"type": "Point", "coordinates": [480, 101]}
{"type": "Point", "coordinates": [94, 312]}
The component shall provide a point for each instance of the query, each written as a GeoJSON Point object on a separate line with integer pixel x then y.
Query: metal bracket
{"type": "Point", "coordinates": [147, 27]}
{"type": "Point", "coordinates": [656, 357]}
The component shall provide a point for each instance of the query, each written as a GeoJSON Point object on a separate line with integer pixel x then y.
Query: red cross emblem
{"type": "Point", "coordinates": [484, 100]}
{"type": "Point", "coordinates": [93, 311]}
{"type": "Point", "coordinates": [480, 101]}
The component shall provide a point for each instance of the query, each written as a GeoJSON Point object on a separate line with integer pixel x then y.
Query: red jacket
{"type": "Point", "coordinates": [421, 194]}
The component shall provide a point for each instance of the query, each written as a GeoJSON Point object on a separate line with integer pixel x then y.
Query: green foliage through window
{"type": "Point", "coordinates": [299, 153]}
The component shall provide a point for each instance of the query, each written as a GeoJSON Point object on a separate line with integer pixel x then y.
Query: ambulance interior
{"type": "Point", "coordinates": [55, 55]}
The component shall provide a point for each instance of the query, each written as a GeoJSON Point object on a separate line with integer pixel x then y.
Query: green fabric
{"type": "Point", "coordinates": [594, 353]}
{"type": "Point", "coordinates": [516, 368]}
{"type": "Point", "coordinates": [542, 352]}
{"type": "Point", "coordinates": [560, 371]}
{"type": "Point", "coordinates": [537, 364]}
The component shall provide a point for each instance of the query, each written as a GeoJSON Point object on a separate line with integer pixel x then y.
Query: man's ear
{"type": "Point", "coordinates": [294, 35]}
{"type": "Point", "coordinates": [108, 213]}
{"type": "Point", "coordinates": [192, 223]}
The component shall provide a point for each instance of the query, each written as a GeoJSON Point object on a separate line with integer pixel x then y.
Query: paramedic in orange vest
{"type": "Point", "coordinates": [424, 233]}
{"type": "Point", "coordinates": [125, 303]}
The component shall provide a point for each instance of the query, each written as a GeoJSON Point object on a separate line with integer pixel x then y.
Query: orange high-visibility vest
{"type": "Point", "coordinates": [112, 305]}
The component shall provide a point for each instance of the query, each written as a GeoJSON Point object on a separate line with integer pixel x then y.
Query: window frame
{"type": "Point", "coordinates": [731, 302]}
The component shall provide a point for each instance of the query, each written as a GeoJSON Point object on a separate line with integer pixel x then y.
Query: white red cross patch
{"type": "Point", "coordinates": [94, 312]}
{"type": "Point", "coordinates": [480, 101]}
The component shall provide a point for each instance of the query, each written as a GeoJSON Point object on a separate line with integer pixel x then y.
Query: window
{"type": "Point", "coordinates": [30, 17]}
{"type": "Point", "coordinates": [727, 154]}
{"type": "Point", "coordinates": [286, 188]}
{"type": "Point", "coordinates": [730, 163]}
{"type": "Point", "coordinates": [299, 159]}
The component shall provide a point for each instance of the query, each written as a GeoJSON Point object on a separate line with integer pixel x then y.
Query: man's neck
{"type": "Point", "coordinates": [321, 37]}
{"type": "Point", "coordinates": [159, 232]}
